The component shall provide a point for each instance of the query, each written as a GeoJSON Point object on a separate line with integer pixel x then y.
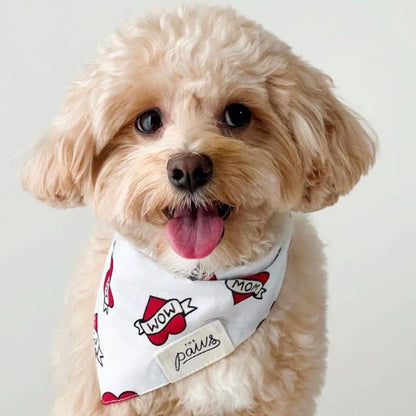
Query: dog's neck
{"type": "Point", "coordinates": [201, 269]}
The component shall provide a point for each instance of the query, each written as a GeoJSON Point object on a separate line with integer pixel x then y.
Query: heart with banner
{"type": "Point", "coordinates": [249, 286]}
{"type": "Point", "coordinates": [163, 317]}
{"type": "Point", "coordinates": [108, 293]}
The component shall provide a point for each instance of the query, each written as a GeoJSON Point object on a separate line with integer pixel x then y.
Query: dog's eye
{"type": "Point", "coordinates": [237, 115]}
{"type": "Point", "coordinates": [149, 121]}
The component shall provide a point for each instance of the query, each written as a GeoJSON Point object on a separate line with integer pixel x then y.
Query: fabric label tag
{"type": "Point", "coordinates": [194, 351]}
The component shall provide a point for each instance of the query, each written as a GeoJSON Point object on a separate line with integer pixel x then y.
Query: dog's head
{"type": "Point", "coordinates": [194, 122]}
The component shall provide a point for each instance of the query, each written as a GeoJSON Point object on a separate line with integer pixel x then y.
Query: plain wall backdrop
{"type": "Point", "coordinates": [368, 48]}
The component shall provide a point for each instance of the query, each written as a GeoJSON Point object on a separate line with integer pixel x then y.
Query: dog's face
{"type": "Point", "coordinates": [191, 129]}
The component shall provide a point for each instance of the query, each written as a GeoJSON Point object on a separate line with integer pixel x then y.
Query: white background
{"type": "Point", "coordinates": [368, 47]}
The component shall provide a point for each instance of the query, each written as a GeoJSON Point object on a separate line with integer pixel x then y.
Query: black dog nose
{"type": "Point", "coordinates": [189, 170]}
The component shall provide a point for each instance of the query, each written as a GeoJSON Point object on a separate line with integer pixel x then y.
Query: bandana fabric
{"type": "Point", "coordinates": [152, 328]}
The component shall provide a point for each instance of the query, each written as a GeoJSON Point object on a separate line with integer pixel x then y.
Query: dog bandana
{"type": "Point", "coordinates": [152, 328]}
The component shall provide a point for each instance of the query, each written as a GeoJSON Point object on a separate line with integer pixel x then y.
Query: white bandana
{"type": "Point", "coordinates": [152, 328]}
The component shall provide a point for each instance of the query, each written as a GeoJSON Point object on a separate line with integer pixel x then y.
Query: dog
{"type": "Point", "coordinates": [197, 136]}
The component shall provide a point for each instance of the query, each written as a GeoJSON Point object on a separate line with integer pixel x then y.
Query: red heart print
{"type": "Point", "coordinates": [108, 300]}
{"type": "Point", "coordinates": [176, 325]}
{"type": "Point", "coordinates": [108, 397]}
{"type": "Point", "coordinates": [167, 322]}
{"type": "Point", "coordinates": [261, 277]}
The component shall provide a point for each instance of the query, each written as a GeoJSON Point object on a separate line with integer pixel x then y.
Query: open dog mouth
{"type": "Point", "coordinates": [194, 232]}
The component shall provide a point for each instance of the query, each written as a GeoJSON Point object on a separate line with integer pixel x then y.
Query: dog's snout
{"type": "Point", "coordinates": [189, 171]}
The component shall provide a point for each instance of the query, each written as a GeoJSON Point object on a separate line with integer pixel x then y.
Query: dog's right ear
{"type": "Point", "coordinates": [59, 169]}
{"type": "Point", "coordinates": [98, 104]}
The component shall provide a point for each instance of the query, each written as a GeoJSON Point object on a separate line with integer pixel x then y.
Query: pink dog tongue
{"type": "Point", "coordinates": [194, 233]}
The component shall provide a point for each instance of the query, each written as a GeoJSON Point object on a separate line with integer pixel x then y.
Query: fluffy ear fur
{"type": "Point", "coordinates": [59, 170]}
{"type": "Point", "coordinates": [335, 148]}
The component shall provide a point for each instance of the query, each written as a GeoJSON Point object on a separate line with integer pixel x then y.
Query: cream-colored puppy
{"type": "Point", "coordinates": [203, 117]}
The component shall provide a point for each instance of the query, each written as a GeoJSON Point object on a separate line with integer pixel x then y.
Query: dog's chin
{"type": "Point", "coordinates": [195, 231]}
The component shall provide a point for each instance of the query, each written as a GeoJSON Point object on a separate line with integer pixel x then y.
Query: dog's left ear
{"type": "Point", "coordinates": [334, 146]}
